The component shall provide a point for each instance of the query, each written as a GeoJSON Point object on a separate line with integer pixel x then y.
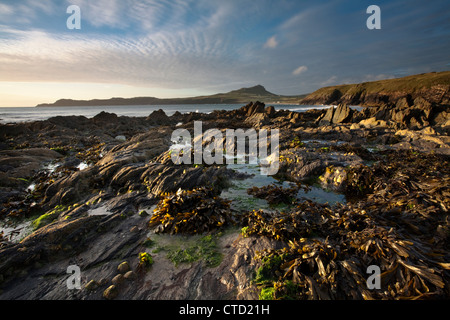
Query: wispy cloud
{"type": "Point", "coordinates": [300, 70]}
{"type": "Point", "coordinates": [219, 45]}
{"type": "Point", "coordinates": [271, 42]}
{"type": "Point", "coordinates": [330, 81]}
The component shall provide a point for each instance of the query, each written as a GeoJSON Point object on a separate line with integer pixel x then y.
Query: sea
{"type": "Point", "coordinates": [27, 114]}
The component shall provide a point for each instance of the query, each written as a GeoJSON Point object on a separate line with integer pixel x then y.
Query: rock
{"type": "Point", "coordinates": [355, 126]}
{"type": "Point", "coordinates": [252, 108]}
{"type": "Point", "coordinates": [342, 114]}
{"type": "Point", "coordinates": [26, 162]}
{"type": "Point", "coordinates": [257, 120]}
{"type": "Point", "coordinates": [111, 292]}
{"type": "Point", "coordinates": [123, 267]}
{"type": "Point", "coordinates": [117, 280]}
{"type": "Point", "coordinates": [270, 111]}
{"type": "Point", "coordinates": [121, 138]}
{"type": "Point", "coordinates": [403, 103]}
{"type": "Point", "coordinates": [327, 118]}
{"type": "Point", "coordinates": [373, 123]}
{"type": "Point", "coordinates": [158, 117]}
{"type": "Point", "coordinates": [105, 118]}
{"type": "Point", "coordinates": [143, 213]}
{"type": "Point", "coordinates": [130, 275]}
{"type": "Point", "coordinates": [91, 285]}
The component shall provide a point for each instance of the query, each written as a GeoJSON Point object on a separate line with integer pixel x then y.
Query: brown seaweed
{"type": "Point", "coordinates": [190, 212]}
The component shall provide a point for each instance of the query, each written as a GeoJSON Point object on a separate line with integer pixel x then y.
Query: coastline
{"type": "Point", "coordinates": [112, 210]}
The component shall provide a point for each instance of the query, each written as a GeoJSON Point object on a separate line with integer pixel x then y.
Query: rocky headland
{"type": "Point", "coordinates": [103, 194]}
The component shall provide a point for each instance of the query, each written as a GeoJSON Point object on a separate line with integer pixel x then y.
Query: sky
{"type": "Point", "coordinates": [182, 48]}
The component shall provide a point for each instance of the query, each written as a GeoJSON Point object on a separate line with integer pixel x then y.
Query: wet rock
{"type": "Point", "coordinates": [130, 275]}
{"type": "Point", "coordinates": [91, 285]}
{"type": "Point", "coordinates": [25, 163]}
{"type": "Point", "coordinates": [121, 138]}
{"type": "Point", "coordinates": [111, 292]}
{"type": "Point", "coordinates": [123, 267]}
{"type": "Point", "coordinates": [118, 280]}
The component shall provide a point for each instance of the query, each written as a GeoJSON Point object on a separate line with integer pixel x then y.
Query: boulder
{"type": "Point", "coordinates": [158, 117]}
{"type": "Point", "coordinates": [342, 114]}
{"type": "Point", "coordinates": [327, 118]}
{"type": "Point", "coordinates": [257, 107]}
{"type": "Point", "coordinates": [270, 111]}
{"type": "Point", "coordinates": [105, 118]}
{"type": "Point", "coordinates": [257, 120]}
{"type": "Point", "coordinates": [373, 123]}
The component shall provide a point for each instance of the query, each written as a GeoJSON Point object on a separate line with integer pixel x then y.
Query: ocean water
{"type": "Point", "coordinates": [17, 115]}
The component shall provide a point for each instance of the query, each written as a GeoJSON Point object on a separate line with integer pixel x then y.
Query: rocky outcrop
{"type": "Point", "coordinates": [159, 117]}
{"type": "Point", "coordinates": [89, 216]}
{"type": "Point", "coordinates": [340, 114]}
{"type": "Point", "coordinates": [431, 87]}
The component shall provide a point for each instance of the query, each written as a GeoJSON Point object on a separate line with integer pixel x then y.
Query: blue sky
{"type": "Point", "coordinates": [192, 47]}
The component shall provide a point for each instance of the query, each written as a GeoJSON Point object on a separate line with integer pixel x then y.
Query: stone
{"type": "Point", "coordinates": [158, 117]}
{"type": "Point", "coordinates": [143, 213]}
{"type": "Point", "coordinates": [342, 114]}
{"type": "Point", "coordinates": [373, 123]}
{"type": "Point", "coordinates": [258, 119]}
{"type": "Point", "coordinates": [91, 285]}
{"type": "Point", "coordinates": [105, 118]}
{"type": "Point", "coordinates": [270, 111]}
{"type": "Point", "coordinates": [111, 292]}
{"type": "Point", "coordinates": [403, 103]}
{"type": "Point", "coordinates": [121, 138]}
{"type": "Point", "coordinates": [355, 126]}
{"type": "Point", "coordinates": [123, 267]}
{"type": "Point", "coordinates": [328, 118]}
{"type": "Point", "coordinates": [130, 275]}
{"type": "Point", "coordinates": [117, 280]}
{"type": "Point", "coordinates": [257, 107]}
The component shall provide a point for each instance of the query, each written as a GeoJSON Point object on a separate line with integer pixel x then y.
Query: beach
{"type": "Point", "coordinates": [355, 188]}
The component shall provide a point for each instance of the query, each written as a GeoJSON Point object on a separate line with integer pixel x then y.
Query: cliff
{"type": "Point", "coordinates": [432, 87]}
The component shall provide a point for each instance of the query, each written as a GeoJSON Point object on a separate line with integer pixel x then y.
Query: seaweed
{"type": "Point", "coordinates": [191, 212]}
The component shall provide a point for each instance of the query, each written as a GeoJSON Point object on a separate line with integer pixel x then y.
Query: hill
{"type": "Point", "coordinates": [243, 95]}
{"type": "Point", "coordinates": [433, 87]}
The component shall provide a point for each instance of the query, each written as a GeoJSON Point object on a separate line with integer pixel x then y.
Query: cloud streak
{"type": "Point", "coordinates": [219, 45]}
{"type": "Point", "coordinates": [300, 70]}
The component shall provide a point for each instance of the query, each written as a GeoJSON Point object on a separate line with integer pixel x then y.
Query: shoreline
{"type": "Point", "coordinates": [389, 163]}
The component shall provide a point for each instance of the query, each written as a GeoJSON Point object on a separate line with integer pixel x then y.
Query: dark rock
{"type": "Point", "coordinates": [158, 117]}
{"type": "Point", "coordinates": [270, 111]}
{"type": "Point", "coordinates": [111, 292]}
{"type": "Point", "coordinates": [341, 114]}
{"type": "Point", "coordinates": [257, 120]}
{"type": "Point", "coordinates": [105, 118]}
{"type": "Point", "coordinates": [252, 108]}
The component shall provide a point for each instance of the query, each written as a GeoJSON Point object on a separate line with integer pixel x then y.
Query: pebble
{"type": "Point", "coordinates": [111, 292]}
{"type": "Point", "coordinates": [143, 213]}
{"type": "Point", "coordinates": [130, 275]}
{"type": "Point", "coordinates": [117, 279]}
{"type": "Point", "coordinates": [91, 285]}
{"type": "Point", "coordinates": [123, 267]}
